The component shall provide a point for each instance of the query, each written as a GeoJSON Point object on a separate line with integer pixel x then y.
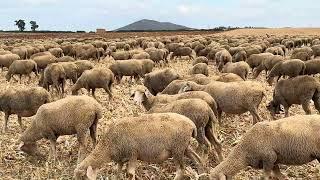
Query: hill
{"type": "Point", "coordinates": [151, 25]}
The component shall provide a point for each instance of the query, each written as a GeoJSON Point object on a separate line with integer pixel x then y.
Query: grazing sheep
{"type": "Point", "coordinates": [182, 51]}
{"type": "Point", "coordinates": [22, 67]}
{"type": "Point", "coordinates": [127, 68]}
{"type": "Point", "coordinates": [297, 90]}
{"type": "Point", "coordinates": [316, 50]}
{"type": "Point", "coordinates": [222, 58]}
{"type": "Point", "coordinates": [200, 59]}
{"type": "Point", "coordinates": [65, 59]}
{"type": "Point", "coordinates": [202, 116]}
{"type": "Point", "coordinates": [55, 75]}
{"type": "Point", "coordinates": [239, 56]}
{"type": "Point", "coordinates": [71, 70]}
{"type": "Point", "coordinates": [94, 78]}
{"type": "Point", "coordinates": [139, 94]}
{"type": "Point", "coordinates": [23, 102]}
{"type": "Point", "coordinates": [83, 65]}
{"type": "Point", "coordinates": [235, 50]}
{"type": "Point", "coordinates": [312, 67]}
{"type": "Point", "coordinates": [291, 68]}
{"type": "Point", "coordinates": [256, 59]}
{"type": "Point", "coordinates": [147, 65]}
{"type": "Point", "coordinates": [158, 55]}
{"type": "Point", "coordinates": [40, 54]}
{"type": "Point", "coordinates": [267, 64]}
{"type": "Point", "coordinates": [157, 81]}
{"type": "Point", "coordinates": [289, 141]}
{"type": "Point", "coordinates": [233, 97]}
{"type": "Point", "coordinates": [200, 68]}
{"type": "Point", "coordinates": [7, 59]}
{"type": "Point", "coordinates": [126, 47]}
{"type": "Point", "coordinates": [142, 55]}
{"type": "Point", "coordinates": [239, 68]}
{"type": "Point", "coordinates": [44, 61]}
{"type": "Point", "coordinates": [121, 55]}
{"type": "Point", "coordinates": [227, 77]}
{"type": "Point", "coordinates": [304, 53]}
{"type": "Point", "coordinates": [150, 138]}
{"type": "Point", "coordinates": [67, 116]}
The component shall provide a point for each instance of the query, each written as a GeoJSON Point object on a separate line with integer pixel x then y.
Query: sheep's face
{"type": "Point", "coordinates": [274, 108]}
{"type": "Point", "coordinates": [270, 80]}
{"type": "Point", "coordinates": [8, 77]}
{"type": "Point", "coordinates": [80, 174]}
{"type": "Point", "coordinates": [138, 97]}
{"type": "Point", "coordinates": [29, 148]}
{"type": "Point", "coordinates": [185, 88]}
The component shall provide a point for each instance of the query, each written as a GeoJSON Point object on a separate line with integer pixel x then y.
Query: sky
{"type": "Point", "coordinates": [112, 14]}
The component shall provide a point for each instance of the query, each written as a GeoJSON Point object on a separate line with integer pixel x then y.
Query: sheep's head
{"type": "Point", "coordinates": [80, 174]}
{"type": "Point", "coordinates": [274, 108]}
{"type": "Point", "coordinates": [29, 148]}
{"type": "Point", "coordinates": [270, 80]}
{"type": "Point", "coordinates": [138, 95]}
{"type": "Point", "coordinates": [8, 77]}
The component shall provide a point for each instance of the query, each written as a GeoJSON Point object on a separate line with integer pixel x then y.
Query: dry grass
{"type": "Point", "coordinates": [16, 165]}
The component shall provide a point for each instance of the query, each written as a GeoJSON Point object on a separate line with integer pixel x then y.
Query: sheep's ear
{"type": "Point", "coordinates": [91, 174]}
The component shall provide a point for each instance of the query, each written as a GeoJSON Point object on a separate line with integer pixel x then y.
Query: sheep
{"type": "Point", "coordinates": [95, 78]}
{"type": "Point", "coordinates": [147, 65]}
{"type": "Point", "coordinates": [54, 75]}
{"type": "Point", "coordinates": [316, 50]}
{"type": "Point", "coordinates": [200, 68]}
{"type": "Point", "coordinates": [7, 59]}
{"type": "Point", "coordinates": [256, 59]}
{"type": "Point", "coordinates": [200, 113]}
{"type": "Point", "coordinates": [66, 59]}
{"type": "Point", "coordinates": [157, 81]}
{"type": "Point", "coordinates": [67, 116]}
{"type": "Point", "coordinates": [71, 70]}
{"type": "Point", "coordinates": [239, 68]}
{"type": "Point", "coordinates": [126, 47]}
{"type": "Point", "coordinates": [22, 67]}
{"type": "Point", "coordinates": [150, 131]}
{"type": "Point", "coordinates": [121, 55]}
{"type": "Point", "coordinates": [304, 53]}
{"type": "Point", "coordinates": [57, 52]}
{"type": "Point", "coordinates": [289, 141]}
{"type": "Point", "coordinates": [233, 97]}
{"type": "Point", "coordinates": [275, 50]}
{"type": "Point", "coordinates": [166, 98]}
{"type": "Point", "coordinates": [127, 68]}
{"type": "Point", "coordinates": [312, 67]}
{"type": "Point", "coordinates": [44, 61]}
{"type": "Point", "coordinates": [158, 55]}
{"type": "Point", "coordinates": [83, 65]}
{"type": "Point", "coordinates": [142, 55]}
{"type": "Point", "coordinates": [239, 56]}
{"type": "Point", "coordinates": [291, 68]}
{"type": "Point", "coordinates": [182, 51]}
{"type": "Point", "coordinates": [40, 54]}
{"type": "Point", "coordinates": [267, 64]}
{"type": "Point", "coordinates": [200, 59]}
{"type": "Point", "coordinates": [23, 102]}
{"type": "Point", "coordinates": [227, 77]}
{"type": "Point", "coordinates": [222, 57]}
{"type": "Point", "coordinates": [297, 90]}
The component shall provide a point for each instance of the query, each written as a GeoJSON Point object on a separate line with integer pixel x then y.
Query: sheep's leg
{"type": "Point", "coordinates": [20, 77]}
{"type": "Point", "coordinates": [219, 116]}
{"type": "Point", "coordinates": [119, 170]}
{"type": "Point", "coordinates": [93, 93]}
{"type": "Point", "coordinates": [29, 76]}
{"type": "Point", "coordinates": [180, 166]}
{"type": "Point", "coordinates": [215, 142]}
{"type": "Point", "coordinates": [277, 172]}
{"type": "Point", "coordinates": [20, 122]}
{"type": "Point", "coordinates": [191, 154]}
{"type": "Point", "coordinates": [82, 147]}
{"type": "Point", "coordinates": [6, 119]}
{"type": "Point", "coordinates": [93, 133]}
{"type": "Point", "coordinates": [268, 163]}
{"type": "Point", "coordinates": [256, 117]}
{"type": "Point", "coordinates": [278, 78]}
{"type": "Point", "coordinates": [53, 150]}
{"type": "Point", "coordinates": [108, 90]}
{"type": "Point", "coordinates": [316, 103]}
{"type": "Point", "coordinates": [131, 169]}
{"type": "Point", "coordinates": [306, 107]}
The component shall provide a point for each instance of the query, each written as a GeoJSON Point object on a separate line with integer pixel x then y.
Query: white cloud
{"type": "Point", "coordinates": [188, 9]}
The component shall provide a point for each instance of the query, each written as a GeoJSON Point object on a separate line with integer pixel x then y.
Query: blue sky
{"type": "Point", "coordinates": [111, 14]}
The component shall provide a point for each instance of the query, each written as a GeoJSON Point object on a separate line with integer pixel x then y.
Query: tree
{"type": "Point", "coordinates": [34, 25]}
{"type": "Point", "coordinates": [21, 24]}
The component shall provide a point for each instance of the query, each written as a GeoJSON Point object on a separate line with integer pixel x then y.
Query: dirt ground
{"type": "Point", "coordinates": [16, 165]}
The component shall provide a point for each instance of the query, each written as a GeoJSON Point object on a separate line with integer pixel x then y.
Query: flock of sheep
{"type": "Point", "coordinates": [180, 108]}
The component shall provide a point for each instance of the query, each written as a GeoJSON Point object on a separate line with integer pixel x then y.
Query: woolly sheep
{"type": "Point", "coordinates": [182, 51]}
{"type": "Point", "coordinates": [297, 90]}
{"type": "Point", "coordinates": [23, 102]}
{"type": "Point", "coordinates": [233, 97]}
{"type": "Point", "coordinates": [44, 61]}
{"type": "Point", "coordinates": [67, 116]}
{"type": "Point", "coordinates": [239, 56]}
{"type": "Point", "coordinates": [94, 78]}
{"type": "Point", "coordinates": [316, 50]}
{"type": "Point", "coordinates": [54, 75]}
{"type": "Point", "coordinates": [289, 141]}
{"type": "Point", "coordinates": [7, 59]}
{"type": "Point", "coordinates": [267, 64]}
{"type": "Point", "coordinates": [142, 55]}
{"type": "Point", "coordinates": [65, 59]}
{"type": "Point", "coordinates": [151, 131]}
{"type": "Point", "coordinates": [222, 58]}
{"type": "Point", "coordinates": [291, 68]}
{"type": "Point", "coordinates": [127, 68]}
{"type": "Point", "coordinates": [256, 59]}
{"type": "Point", "coordinates": [312, 67]}
{"type": "Point", "coordinates": [157, 81]}
{"type": "Point", "coordinates": [200, 68]}
{"type": "Point", "coordinates": [239, 68]}
{"type": "Point", "coordinates": [22, 67]}
{"type": "Point", "coordinates": [83, 65]}
{"type": "Point", "coordinates": [200, 59]}
{"type": "Point", "coordinates": [121, 55]}
{"type": "Point", "coordinates": [71, 70]}
{"type": "Point", "coordinates": [57, 52]}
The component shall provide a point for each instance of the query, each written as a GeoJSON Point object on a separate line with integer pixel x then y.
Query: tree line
{"type": "Point", "coordinates": [21, 25]}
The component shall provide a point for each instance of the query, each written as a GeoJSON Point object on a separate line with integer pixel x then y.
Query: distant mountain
{"type": "Point", "coordinates": [151, 25]}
